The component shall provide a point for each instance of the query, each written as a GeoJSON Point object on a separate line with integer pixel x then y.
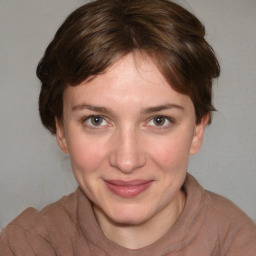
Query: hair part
{"type": "Point", "coordinates": [99, 33]}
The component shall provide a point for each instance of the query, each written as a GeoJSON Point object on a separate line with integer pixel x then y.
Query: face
{"type": "Point", "coordinates": [129, 136]}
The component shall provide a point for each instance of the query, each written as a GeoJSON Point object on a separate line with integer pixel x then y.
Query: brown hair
{"type": "Point", "coordinates": [95, 35]}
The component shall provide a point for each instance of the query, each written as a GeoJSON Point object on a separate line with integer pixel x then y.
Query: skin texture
{"type": "Point", "coordinates": [128, 124]}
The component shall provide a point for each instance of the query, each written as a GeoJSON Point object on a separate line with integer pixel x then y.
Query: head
{"type": "Point", "coordinates": [99, 33]}
{"type": "Point", "coordinates": [127, 88]}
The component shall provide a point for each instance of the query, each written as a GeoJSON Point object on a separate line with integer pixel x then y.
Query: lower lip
{"type": "Point", "coordinates": [128, 191]}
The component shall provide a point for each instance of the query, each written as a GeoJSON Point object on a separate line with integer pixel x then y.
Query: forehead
{"type": "Point", "coordinates": [133, 79]}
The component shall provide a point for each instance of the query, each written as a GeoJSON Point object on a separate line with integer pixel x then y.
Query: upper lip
{"type": "Point", "coordinates": [128, 183]}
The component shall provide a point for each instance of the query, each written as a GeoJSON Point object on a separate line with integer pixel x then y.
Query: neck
{"type": "Point", "coordinates": [143, 234]}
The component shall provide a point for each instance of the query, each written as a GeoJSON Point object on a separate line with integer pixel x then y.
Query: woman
{"type": "Point", "coordinates": [126, 88]}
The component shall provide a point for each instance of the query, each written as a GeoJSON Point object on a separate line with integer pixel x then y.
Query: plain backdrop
{"type": "Point", "coordinates": [33, 171]}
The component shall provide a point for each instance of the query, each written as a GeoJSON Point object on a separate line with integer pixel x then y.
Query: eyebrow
{"type": "Point", "coordinates": [147, 110]}
{"type": "Point", "coordinates": [91, 107]}
{"type": "Point", "coordinates": [159, 108]}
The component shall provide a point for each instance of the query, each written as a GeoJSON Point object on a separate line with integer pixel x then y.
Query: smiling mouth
{"type": "Point", "coordinates": [128, 189]}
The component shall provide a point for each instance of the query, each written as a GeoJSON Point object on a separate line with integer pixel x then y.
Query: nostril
{"type": "Point", "coordinates": [127, 163]}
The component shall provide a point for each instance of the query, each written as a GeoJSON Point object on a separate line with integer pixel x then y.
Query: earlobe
{"type": "Point", "coordinates": [60, 136]}
{"type": "Point", "coordinates": [198, 135]}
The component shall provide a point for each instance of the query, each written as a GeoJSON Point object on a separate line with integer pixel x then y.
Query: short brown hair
{"type": "Point", "coordinates": [95, 35]}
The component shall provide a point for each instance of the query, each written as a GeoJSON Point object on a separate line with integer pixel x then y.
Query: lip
{"type": "Point", "coordinates": [128, 189]}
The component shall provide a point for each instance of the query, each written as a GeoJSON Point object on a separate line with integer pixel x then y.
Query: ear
{"type": "Point", "coordinates": [198, 135]}
{"type": "Point", "coordinates": [60, 136]}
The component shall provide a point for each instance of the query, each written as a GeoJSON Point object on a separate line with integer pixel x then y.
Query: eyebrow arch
{"type": "Point", "coordinates": [148, 110]}
{"type": "Point", "coordinates": [159, 108]}
{"type": "Point", "coordinates": [91, 107]}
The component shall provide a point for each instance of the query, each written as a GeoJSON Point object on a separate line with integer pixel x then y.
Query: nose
{"type": "Point", "coordinates": [127, 154]}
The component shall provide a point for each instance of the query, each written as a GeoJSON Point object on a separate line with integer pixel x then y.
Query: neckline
{"type": "Point", "coordinates": [182, 231]}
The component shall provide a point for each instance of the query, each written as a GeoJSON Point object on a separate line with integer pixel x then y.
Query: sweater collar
{"type": "Point", "coordinates": [179, 235]}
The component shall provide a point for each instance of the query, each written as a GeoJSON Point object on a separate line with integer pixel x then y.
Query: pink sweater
{"type": "Point", "coordinates": [209, 225]}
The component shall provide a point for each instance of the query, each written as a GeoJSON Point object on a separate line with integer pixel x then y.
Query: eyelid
{"type": "Point", "coordinates": [168, 118]}
{"type": "Point", "coordinates": [86, 118]}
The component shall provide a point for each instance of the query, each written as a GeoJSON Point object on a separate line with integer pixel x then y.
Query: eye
{"type": "Point", "coordinates": [160, 121]}
{"type": "Point", "coordinates": [95, 121]}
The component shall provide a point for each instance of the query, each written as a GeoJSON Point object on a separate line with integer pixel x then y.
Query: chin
{"type": "Point", "coordinates": [130, 216]}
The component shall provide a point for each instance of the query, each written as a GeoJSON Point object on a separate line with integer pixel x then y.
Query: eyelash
{"type": "Point", "coordinates": [89, 118]}
{"type": "Point", "coordinates": [168, 121]}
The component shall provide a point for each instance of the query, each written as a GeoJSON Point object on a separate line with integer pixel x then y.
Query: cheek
{"type": "Point", "coordinates": [85, 154]}
{"type": "Point", "coordinates": [172, 151]}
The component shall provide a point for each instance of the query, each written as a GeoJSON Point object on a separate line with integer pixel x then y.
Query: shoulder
{"type": "Point", "coordinates": [215, 205]}
{"type": "Point", "coordinates": [223, 209]}
{"type": "Point", "coordinates": [221, 224]}
{"type": "Point", "coordinates": [63, 209]}
{"type": "Point", "coordinates": [236, 231]}
{"type": "Point", "coordinates": [37, 227]}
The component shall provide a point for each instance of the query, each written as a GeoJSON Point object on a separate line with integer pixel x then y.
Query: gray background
{"type": "Point", "coordinates": [34, 172]}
